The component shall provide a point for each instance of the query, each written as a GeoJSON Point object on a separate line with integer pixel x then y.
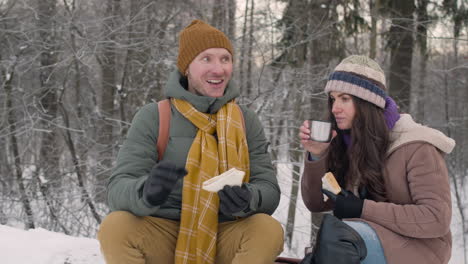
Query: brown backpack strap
{"type": "Point", "coordinates": [164, 108]}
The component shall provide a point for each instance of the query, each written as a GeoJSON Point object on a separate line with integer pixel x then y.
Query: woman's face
{"type": "Point", "coordinates": [343, 109]}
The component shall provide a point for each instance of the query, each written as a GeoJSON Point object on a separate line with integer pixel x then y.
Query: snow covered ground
{"type": "Point", "coordinates": [39, 246]}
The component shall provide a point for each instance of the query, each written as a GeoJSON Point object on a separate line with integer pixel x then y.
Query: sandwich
{"type": "Point", "coordinates": [232, 177]}
{"type": "Point", "coordinates": [329, 183]}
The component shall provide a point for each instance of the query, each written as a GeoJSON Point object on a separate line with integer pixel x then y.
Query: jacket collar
{"type": "Point", "coordinates": [406, 130]}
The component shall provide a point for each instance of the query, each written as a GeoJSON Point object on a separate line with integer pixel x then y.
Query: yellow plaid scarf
{"type": "Point", "coordinates": [208, 157]}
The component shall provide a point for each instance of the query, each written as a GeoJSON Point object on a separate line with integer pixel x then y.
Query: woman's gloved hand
{"type": "Point", "coordinates": [347, 205]}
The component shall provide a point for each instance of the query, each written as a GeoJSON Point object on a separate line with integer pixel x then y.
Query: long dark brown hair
{"type": "Point", "coordinates": [365, 159]}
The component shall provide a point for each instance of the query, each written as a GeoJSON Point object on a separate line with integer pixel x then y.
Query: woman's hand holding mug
{"type": "Point", "coordinates": [316, 136]}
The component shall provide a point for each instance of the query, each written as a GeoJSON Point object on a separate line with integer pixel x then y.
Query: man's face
{"type": "Point", "coordinates": [209, 73]}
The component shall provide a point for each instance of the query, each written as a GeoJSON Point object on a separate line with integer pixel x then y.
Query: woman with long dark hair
{"type": "Point", "coordinates": [395, 204]}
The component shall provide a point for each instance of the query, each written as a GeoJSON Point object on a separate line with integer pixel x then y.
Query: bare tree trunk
{"type": "Point", "coordinates": [132, 37]}
{"type": "Point", "coordinates": [231, 32]}
{"type": "Point", "coordinates": [458, 171]}
{"type": "Point", "coordinates": [296, 172]}
{"type": "Point", "coordinates": [355, 12]}
{"type": "Point", "coordinates": [423, 21]}
{"type": "Point", "coordinates": [159, 29]}
{"type": "Point", "coordinates": [243, 57]}
{"type": "Point", "coordinates": [157, 26]}
{"type": "Point", "coordinates": [454, 164]}
{"type": "Point", "coordinates": [373, 4]}
{"type": "Point", "coordinates": [78, 168]}
{"type": "Point", "coordinates": [49, 155]}
{"type": "Point", "coordinates": [296, 158]}
{"type": "Point", "coordinates": [49, 202]}
{"type": "Point", "coordinates": [12, 121]}
{"type": "Point", "coordinates": [223, 18]}
{"type": "Point", "coordinates": [401, 45]}
{"type": "Point", "coordinates": [108, 64]}
{"type": "Point", "coordinates": [460, 206]}
{"type": "Point", "coordinates": [249, 84]}
{"type": "Point", "coordinates": [77, 85]}
{"type": "Point", "coordinates": [218, 19]}
{"type": "Point", "coordinates": [316, 220]}
{"type": "Point", "coordinates": [278, 127]}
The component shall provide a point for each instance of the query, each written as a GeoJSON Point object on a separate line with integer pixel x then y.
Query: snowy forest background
{"type": "Point", "coordinates": [74, 72]}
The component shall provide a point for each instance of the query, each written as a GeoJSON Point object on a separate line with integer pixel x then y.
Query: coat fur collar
{"type": "Point", "coordinates": [406, 130]}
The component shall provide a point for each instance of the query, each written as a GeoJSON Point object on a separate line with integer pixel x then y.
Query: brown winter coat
{"type": "Point", "coordinates": [414, 226]}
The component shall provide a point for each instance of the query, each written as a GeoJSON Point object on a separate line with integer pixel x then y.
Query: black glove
{"type": "Point", "coordinates": [161, 180]}
{"type": "Point", "coordinates": [347, 205]}
{"type": "Point", "coordinates": [233, 199]}
{"type": "Point", "coordinates": [308, 259]}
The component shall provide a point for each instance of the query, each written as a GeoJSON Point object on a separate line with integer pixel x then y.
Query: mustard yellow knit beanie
{"type": "Point", "coordinates": [197, 37]}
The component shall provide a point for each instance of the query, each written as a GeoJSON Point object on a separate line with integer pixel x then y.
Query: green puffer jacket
{"type": "Point", "coordinates": [138, 155]}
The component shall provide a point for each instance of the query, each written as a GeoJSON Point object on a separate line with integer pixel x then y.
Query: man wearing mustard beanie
{"type": "Point", "coordinates": [161, 211]}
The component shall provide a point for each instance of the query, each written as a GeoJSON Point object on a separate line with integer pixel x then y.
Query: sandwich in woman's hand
{"type": "Point", "coordinates": [330, 184]}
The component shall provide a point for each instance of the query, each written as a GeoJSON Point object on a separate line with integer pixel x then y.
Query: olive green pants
{"type": "Point", "coordinates": [129, 239]}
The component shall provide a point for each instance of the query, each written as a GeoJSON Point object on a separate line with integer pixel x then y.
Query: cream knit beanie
{"type": "Point", "coordinates": [348, 78]}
